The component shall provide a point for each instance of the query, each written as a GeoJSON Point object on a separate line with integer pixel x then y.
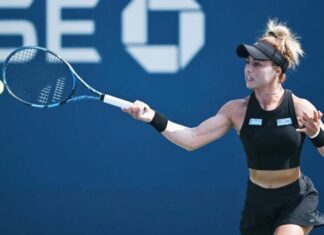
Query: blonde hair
{"type": "Point", "coordinates": [285, 41]}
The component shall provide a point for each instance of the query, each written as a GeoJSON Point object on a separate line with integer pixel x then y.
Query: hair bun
{"type": "Point", "coordinates": [284, 40]}
{"type": "Point", "coordinates": [278, 30]}
{"type": "Point", "coordinates": [271, 33]}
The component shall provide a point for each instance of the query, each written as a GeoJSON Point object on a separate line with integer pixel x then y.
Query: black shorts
{"type": "Point", "coordinates": [266, 209]}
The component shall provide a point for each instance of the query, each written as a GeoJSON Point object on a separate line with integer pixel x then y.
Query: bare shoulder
{"type": "Point", "coordinates": [235, 111]}
{"type": "Point", "coordinates": [303, 105]}
{"type": "Point", "coordinates": [237, 105]}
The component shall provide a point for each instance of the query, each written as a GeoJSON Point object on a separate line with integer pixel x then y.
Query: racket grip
{"type": "Point", "coordinates": [112, 100]}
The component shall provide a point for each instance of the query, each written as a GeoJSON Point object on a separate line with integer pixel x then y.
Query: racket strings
{"type": "Point", "coordinates": [59, 90]}
{"type": "Point", "coordinates": [44, 95]}
{"type": "Point", "coordinates": [23, 56]}
{"type": "Point", "coordinates": [39, 77]}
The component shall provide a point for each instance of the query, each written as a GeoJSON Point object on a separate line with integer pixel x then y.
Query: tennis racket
{"type": "Point", "coordinates": [40, 78]}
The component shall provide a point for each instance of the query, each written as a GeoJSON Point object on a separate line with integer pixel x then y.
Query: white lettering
{"type": "Point", "coordinates": [15, 3]}
{"type": "Point", "coordinates": [56, 28]}
{"type": "Point", "coordinates": [22, 28]}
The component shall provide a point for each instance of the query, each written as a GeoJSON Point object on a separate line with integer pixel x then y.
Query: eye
{"type": "Point", "coordinates": [257, 64]}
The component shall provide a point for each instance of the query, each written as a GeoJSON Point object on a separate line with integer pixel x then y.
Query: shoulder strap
{"type": "Point", "coordinates": [291, 108]}
{"type": "Point", "coordinates": [249, 109]}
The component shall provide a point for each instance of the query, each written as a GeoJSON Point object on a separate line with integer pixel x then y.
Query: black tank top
{"type": "Point", "coordinates": [269, 138]}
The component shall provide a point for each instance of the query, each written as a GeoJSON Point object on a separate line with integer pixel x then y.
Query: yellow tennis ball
{"type": "Point", "coordinates": [1, 87]}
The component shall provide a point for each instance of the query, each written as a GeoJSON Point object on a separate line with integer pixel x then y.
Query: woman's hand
{"type": "Point", "coordinates": [310, 125]}
{"type": "Point", "coordinates": [140, 111]}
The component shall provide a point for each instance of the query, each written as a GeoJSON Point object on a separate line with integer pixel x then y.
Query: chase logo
{"type": "Point", "coordinates": [163, 58]}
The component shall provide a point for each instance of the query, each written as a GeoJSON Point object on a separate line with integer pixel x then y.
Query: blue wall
{"type": "Point", "coordinates": [88, 168]}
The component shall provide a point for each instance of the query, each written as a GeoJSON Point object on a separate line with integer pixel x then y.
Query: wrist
{"type": "Point", "coordinates": [150, 116]}
{"type": "Point", "coordinates": [316, 134]}
{"type": "Point", "coordinates": [318, 140]}
{"type": "Point", "coordinates": [159, 122]}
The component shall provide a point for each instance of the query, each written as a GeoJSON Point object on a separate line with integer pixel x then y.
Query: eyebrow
{"type": "Point", "coordinates": [247, 58]}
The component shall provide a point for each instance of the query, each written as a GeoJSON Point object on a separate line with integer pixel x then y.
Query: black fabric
{"type": "Point", "coordinates": [159, 122]}
{"type": "Point", "coordinates": [318, 141]}
{"type": "Point", "coordinates": [267, 209]}
{"type": "Point", "coordinates": [269, 138]}
{"type": "Point", "coordinates": [263, 51]}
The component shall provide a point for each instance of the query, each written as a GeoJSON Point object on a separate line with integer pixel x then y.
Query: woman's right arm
{"type": "Point", "coordinates": [183, 136]}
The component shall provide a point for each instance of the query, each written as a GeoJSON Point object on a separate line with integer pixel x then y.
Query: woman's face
{"type": "Point", "coordinates": [259, 73]}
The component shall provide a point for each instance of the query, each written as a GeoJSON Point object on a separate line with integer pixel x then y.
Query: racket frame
{"type": "Point", "coordinates": [108, 99]}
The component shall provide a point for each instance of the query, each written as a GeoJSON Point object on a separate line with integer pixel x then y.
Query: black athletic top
{"type": "Point", "coordinates": [269, 138]}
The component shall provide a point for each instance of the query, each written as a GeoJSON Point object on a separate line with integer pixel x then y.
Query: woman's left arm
{"type": "Point", "coordinates": [311, 124]}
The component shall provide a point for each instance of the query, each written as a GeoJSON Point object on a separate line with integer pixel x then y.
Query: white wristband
{"type": "Point", "coordinates": [314, 136]}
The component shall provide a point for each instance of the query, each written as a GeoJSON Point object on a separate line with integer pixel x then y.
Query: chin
{"type": "Point", "coordinates": [249, 86]}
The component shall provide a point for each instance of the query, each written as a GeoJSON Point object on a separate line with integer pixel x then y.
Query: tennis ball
{"type": "Point", "coordinates": [1, 87]}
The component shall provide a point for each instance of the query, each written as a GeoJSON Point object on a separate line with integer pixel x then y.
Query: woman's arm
{"type": "Point", "coordinates": [310, 120]}
{"type": "Point", "coordinates": [186, 137]}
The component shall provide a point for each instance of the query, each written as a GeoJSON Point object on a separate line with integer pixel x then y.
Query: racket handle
{"type": "Point", "coordinates": [112, 100]}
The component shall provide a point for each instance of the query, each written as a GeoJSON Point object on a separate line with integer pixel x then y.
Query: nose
{"type": "Point", "coordinates": [248, 68]}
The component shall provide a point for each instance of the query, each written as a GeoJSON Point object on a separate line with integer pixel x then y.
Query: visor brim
{"type": "Point", "coordinates": [244, 51]}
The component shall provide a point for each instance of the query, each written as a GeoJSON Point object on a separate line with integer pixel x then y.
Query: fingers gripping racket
{"type": "Point", "coordinates": [42, 79]}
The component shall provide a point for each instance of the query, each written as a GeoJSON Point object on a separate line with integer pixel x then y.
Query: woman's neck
{"type": "Point", "coordinates": [269, 99]}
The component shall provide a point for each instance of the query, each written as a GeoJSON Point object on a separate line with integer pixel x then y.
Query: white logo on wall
{"type": "Point", "coordinates": [56, 29]}
{"type": "Point", "coordinates": [153, 58]}
{"type": "Point", "coordinates": [163, 58]}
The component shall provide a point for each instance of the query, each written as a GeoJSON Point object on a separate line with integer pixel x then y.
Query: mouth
{"type": "Point", "coordinates": [250, 79]}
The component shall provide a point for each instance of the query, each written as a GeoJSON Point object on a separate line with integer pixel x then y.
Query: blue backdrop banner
{"type": "Point", "coordinates": [89, 168]}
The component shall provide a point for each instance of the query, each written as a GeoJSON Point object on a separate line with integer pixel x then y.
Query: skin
{"type": "Point", "coordinates": [263, 78]}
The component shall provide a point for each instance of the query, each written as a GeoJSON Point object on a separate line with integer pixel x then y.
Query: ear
{"type": "Point", "coordinates": [277, 71]}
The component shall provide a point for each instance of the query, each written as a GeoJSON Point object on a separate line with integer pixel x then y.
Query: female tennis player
{"type": "Point", "coordinates": [272, 123]}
